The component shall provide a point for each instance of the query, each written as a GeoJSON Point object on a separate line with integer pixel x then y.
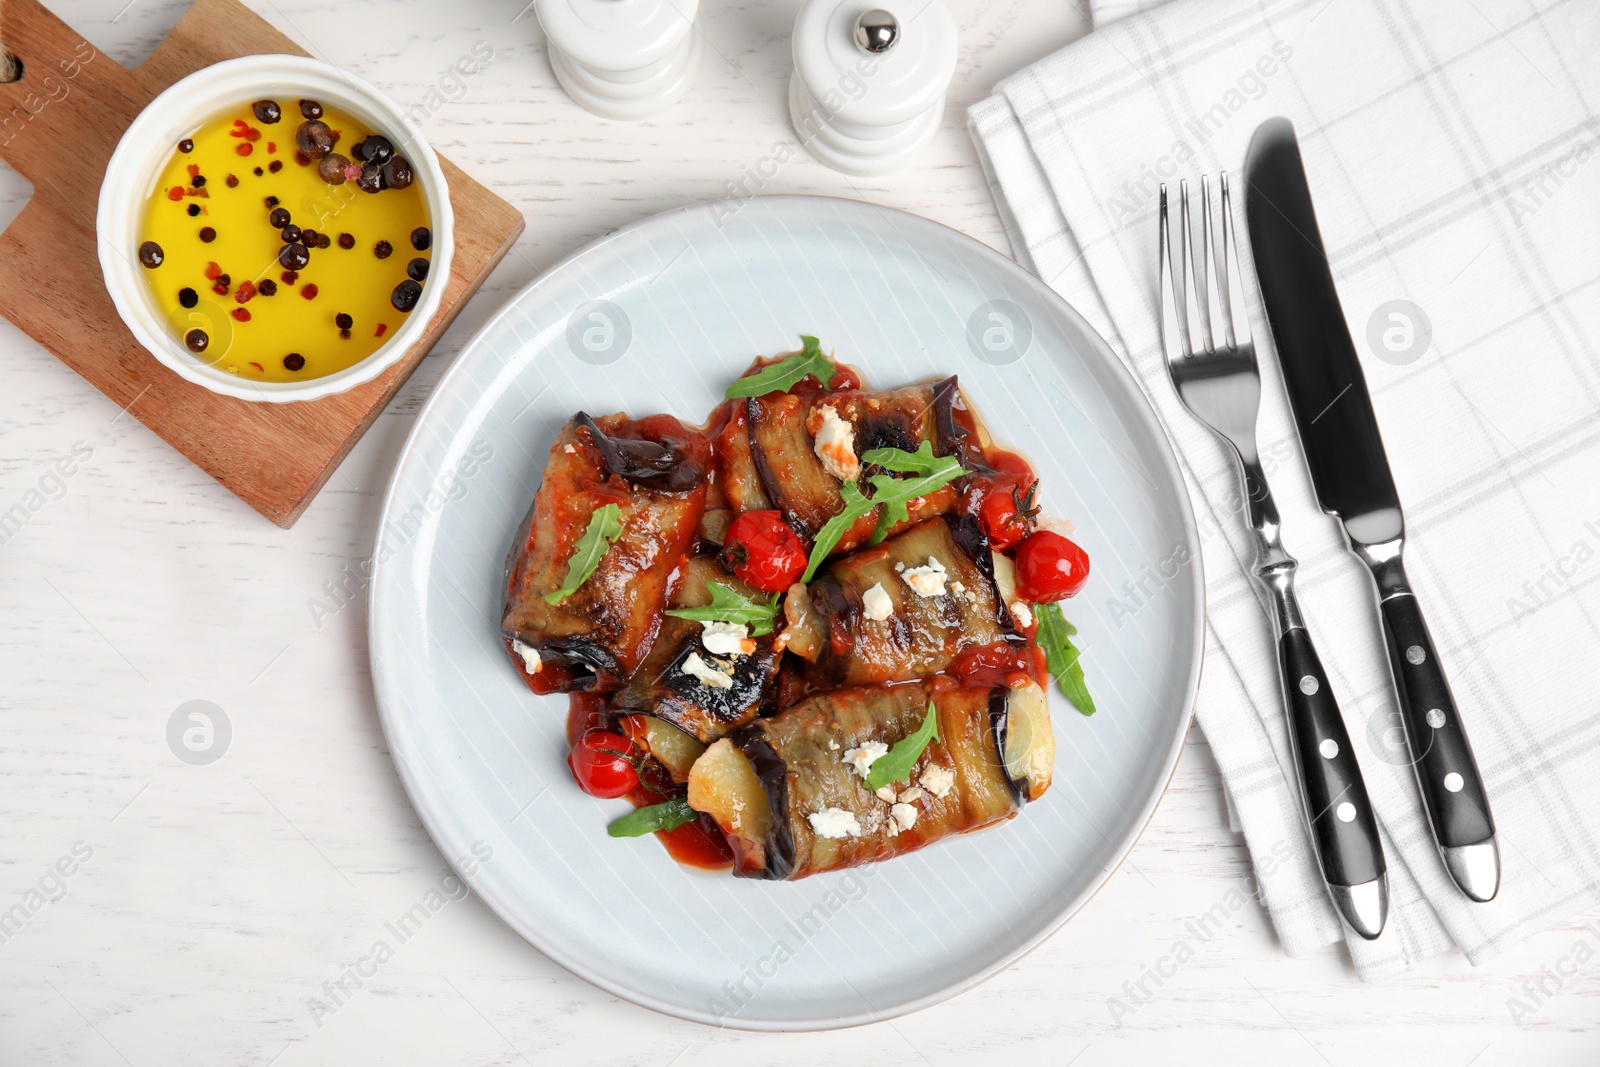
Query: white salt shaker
{"type": "Point", "coordinates": [623, 59]}
{"type": "Point", "coordinates": [869, 80]}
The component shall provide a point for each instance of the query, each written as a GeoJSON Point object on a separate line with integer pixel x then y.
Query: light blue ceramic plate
{"type": "Point", "coordinates": [660, 316]}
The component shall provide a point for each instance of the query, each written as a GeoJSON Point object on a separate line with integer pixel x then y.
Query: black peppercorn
{"type": "Point", "coordinates": [417, 269]}
{"type": "Point", "coordinates": [343, 321]}
{"type": "Point", "coordinates": [279, 218]}
{"type": "Point", "coordinates": [290, 234]}
{"type": "Point", "coordinates": [397, 173]}
{"type": "Point", "coordinates": [199, 181]}
{"type": "Point", "coordinates": [268, 287]}
{"type": "Point", "coordinates": [294, 256]}
{"type": "Point", "coordinates": [314, 139]}
{"type": "Point", "coordinates": [383, 249]}
{"type": "Point", "coordinates": [186, 145]}
{"type": "Point", "coordinates": [188, 297]}
{"type": "Point", "coordinates": [421, 238]}
{"type": "Point", "coordinates": [194, 210]}
{"type": "Point", "coordinates": [347, 240]}
{"type": "Point", "coordinates": [311, 109]}
{"type": "Point", "coordinates": [207, 234]}
{"type": "Point", "coordinates": [267, 111]}
{"type": "Point", "coordinates": [196, 340]}
{"type": "Point", "coordinates": [405, 295]}
{"type": "Point", "coordinates": [294, 361]}
{"type": "Point", "coordinates": [151, 255]}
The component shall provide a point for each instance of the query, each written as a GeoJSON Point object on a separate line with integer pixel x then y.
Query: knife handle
{"type": "Point", "coordinates": [1343, 827]}
{"type": "Point", "coordinates": [1447, 774]}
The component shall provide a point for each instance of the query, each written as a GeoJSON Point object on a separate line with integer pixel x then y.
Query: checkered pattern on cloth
{"type": "Point", "coordinates": [1454, 154]}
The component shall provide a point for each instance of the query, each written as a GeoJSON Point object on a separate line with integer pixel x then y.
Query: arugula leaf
{"type": "Point", "coordinates": [781, 376]}
{"type": "Point", "coordinates": [605, 526]}
{"type": "Point", "coordinates": [1055, 637]}
{"type": "Point", "coordinates": [896, 494]}
{"type": "Point", "coordinates": [896, 764]}
{"type": "Point", "coordinates": [922, 461]}
{"type": "Point", "coordinates": [668, 815]}
{"type": "Point", "coordinates": [727, 605]}
{"type": "Point", "coordinates": [855, 506]}
{"type": "Point", "coordinates": [929, 472]}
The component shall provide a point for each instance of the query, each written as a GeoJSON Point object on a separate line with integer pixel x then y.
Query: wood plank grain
{"type": "Point", "coordinates": [61, 122]}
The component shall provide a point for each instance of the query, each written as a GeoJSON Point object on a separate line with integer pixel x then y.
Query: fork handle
{"type": "Point", "coordinates": [1343, 828]}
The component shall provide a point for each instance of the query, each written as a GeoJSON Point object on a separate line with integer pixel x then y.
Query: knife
{"type": "Point", "coordinates": [1350, 471]}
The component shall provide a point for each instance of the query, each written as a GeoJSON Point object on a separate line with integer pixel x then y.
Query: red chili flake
{"type": "Point", "coordinates": [258, 366]}
{"type": "Point", "coordinates": [175, 193]}
{"type": "Point", "coordinates": [246, 290]}
{"type": "Point", "coordinates": [241, 314]}
{"type": "Point", "coordinates": [213, 271]}
{"type": "Point", "coordinates": [301, 158]}
{"type": "Point", "coordinates": [275, 166]}
{"type": "Point", "coordinates": [204, 194]}
{"type": "Point", "coordinates": [309, 291]}
{"type": "Point", "coordinates": [239, 128]}
{"type": "Point", "coordinates": [272, 148]}
{"type": "Point", "coordinates": [252, 134]}
{"type": "Point", "coordinates": [382, 326]}
{"type": "Point", "coordinates": [194, 170]}
{"type": "Point", "coordinates": [245, 149]}
{"type": "Point", "coordinates": [290, 277]}
{"type": "Point", "coordinates": [220, 289]}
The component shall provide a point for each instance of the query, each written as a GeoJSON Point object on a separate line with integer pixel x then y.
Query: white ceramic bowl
{"type": "Point", "coordinates": [175, 114]}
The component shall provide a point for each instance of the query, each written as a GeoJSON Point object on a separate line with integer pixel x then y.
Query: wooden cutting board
{"type": "Point", "coordinates": [59, 124]}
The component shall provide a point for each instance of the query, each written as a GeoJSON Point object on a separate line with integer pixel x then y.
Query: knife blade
{"type": "Point", "coordinates": [1350, 470]}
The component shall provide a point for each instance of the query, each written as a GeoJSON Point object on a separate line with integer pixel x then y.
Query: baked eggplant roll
{"type": "Point", "coordinates": [903, 610]}
{"type": "Point", "coordinates": [655, 470]}
{"type": "Point", "coordinates": [802, 446]}
{"type": "Point", "coordinates": [790, 791]}
{"type": "Point", "coordinates": [689, 693]}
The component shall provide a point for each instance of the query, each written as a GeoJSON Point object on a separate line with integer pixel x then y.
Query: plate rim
{"type": "Point", "coordinates": [507, 916]}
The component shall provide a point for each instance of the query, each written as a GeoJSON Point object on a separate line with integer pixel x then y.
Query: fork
{"type": "Point", "coordinates": [1212, 361]}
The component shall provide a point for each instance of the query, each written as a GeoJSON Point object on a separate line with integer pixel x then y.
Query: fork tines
{"type": "Point", "coordinates": [1220, 323]}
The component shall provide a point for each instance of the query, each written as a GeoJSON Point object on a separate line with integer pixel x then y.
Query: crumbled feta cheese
{"type": "Point", "coordinates": [958, 587]}
{"type": "Point", "coordinates": [835, 445]}
{"type": "Point", "coordinates": [904, 815]}
{"type": "Point", "coordinates": [899, 567]}
{"type": "Point", "coordinates": [569, 450]}
{"type": "Point", "coordinates": [727, 639]}
{"type": "Point", "coordinates": [908, 796]}
{"type": "Point", "coordinates": [834, 823]}
{"type": "Point", "coordinates": [875, 603]}
{"type": "Point", "coordinates": [938, 780]}
{"type": "Point", "coordinates": [862, 758]}
{"type": "Point", "coordinates": [530, 656]}
{"type": "Point", "coordinates": [833, 745]}
{"type": "Point", "coordinates": [885, 793]}
{"type": "Point", "coordinates": [928, 580]}
{"type": "Point", "coordinates": [1021, 613]}
{"type": "Point", "coordinates": [695, 667]}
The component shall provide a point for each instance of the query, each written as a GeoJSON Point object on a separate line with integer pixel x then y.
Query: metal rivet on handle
{"type": "Point", "coordinates": [1415, 655]}
{"type": "Point", "coordinates": [1309, 685]}
{"type": "Point", "coordinates": [1329, 748]}
{"type": "Point", "coordinates": [1454, 782]}
{"type": "Point", "coordinates": [1346, 812]}
{"type": "Point", "coordinates": [1435, 718]}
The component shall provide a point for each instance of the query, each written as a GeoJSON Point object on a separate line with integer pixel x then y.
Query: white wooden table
{"type": "Point", "coordinates": [216, 901]}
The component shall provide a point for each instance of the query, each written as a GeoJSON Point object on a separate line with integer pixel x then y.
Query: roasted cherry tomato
{"type": "Point", "coordinates": [1050, 567]}
{"type": "Point", "coordinates": [601, 763]}
{"type": "Point", "coordinates": [763, 551]}
{"type": "Point", "coordinates": [1008, 512]}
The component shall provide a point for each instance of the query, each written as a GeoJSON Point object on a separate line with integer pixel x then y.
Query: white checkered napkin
{"type": "Point", "coordinates": [1454, 153]}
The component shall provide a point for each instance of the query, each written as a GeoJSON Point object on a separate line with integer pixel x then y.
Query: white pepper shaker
{"type": "Point", "coordinates": [623, 59]}
{"type": "Point", "coordinates": [869, 80]}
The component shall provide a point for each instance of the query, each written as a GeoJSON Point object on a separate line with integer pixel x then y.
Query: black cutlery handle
{"type": "Point", "coordinates": [1343, 827]}
{"type": "Point", "coordinates": [1447, 774]}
